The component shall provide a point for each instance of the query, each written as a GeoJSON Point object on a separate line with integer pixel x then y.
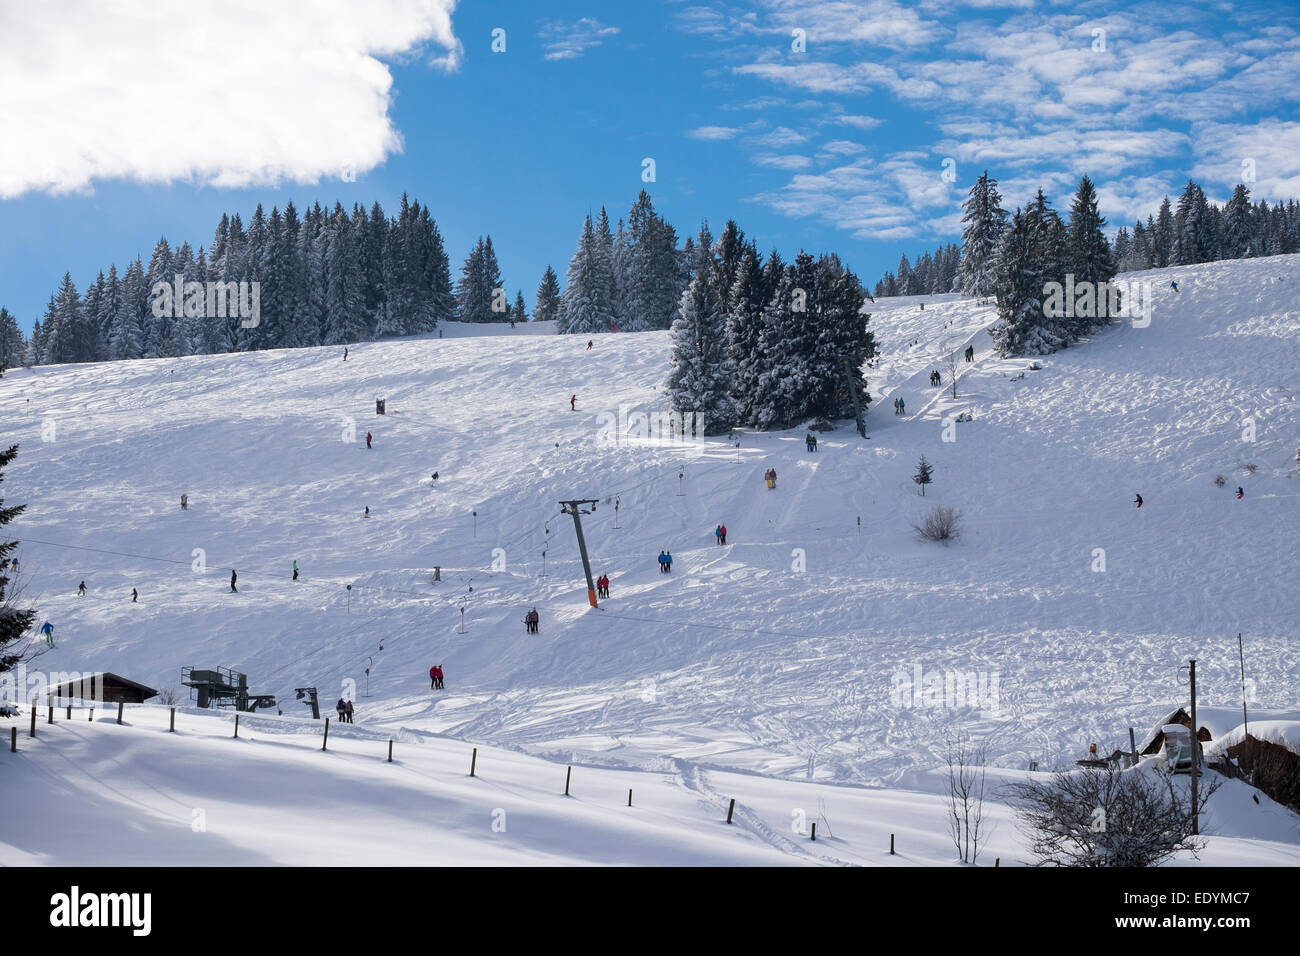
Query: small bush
{"type": "Point", "coordinates": [940, 524]}
{"type": "Point", "coordinates": [1251, 468]}
{"type": "Point", "coordinates": [1218, 480]}
{"type": "Point", "coordinates": [168, 697]}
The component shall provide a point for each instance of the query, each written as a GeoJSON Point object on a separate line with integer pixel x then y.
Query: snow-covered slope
{"type": "Point", "coordinates": [783, 652]}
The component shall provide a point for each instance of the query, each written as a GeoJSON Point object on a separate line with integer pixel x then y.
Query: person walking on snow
{"type": "Point", "coordinates": [367, 514]}
{"type": "Point", "coordinates": [663, 562]}
{"type": "Point", "coordinates": [1137, 500]}
{"type": "Point", "coordinates": [573, 403]}
{"type": "Point", "coordinates": [351, 709]}
{"type": "Point", "coordinates": [48, 630]}
{"type": "Point", "coordinates": [134, 595]}
{"type": "Point", "coordinates": [437, 672]}
{"type": "Point", "coordinates": [669, 565]}
{"type": "Point", "coordinates": [345, 353]}
{"type": "Point", "coordinates": [368, 438]}
{"type": "Point", "coordinates": [295, 570]}
{"type": "Point", "coordinates": [81, 589]}
{"type": "Point", "coordinates": [233, 578]}
{"type": "Point", "coordinates": [811, 442]}
{"type": "Point", "coordinates": [717, 533]}
{"type": "Point", "coordinates": [902, 408]}
{"type": "Point", "coordinates": [342, 708]}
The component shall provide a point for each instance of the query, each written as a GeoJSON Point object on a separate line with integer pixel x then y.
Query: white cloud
{"type": "Point", "coordinates": [788, 161]}
{"type": "Point", "coordinates": [567, 41]}
{"type": "Point", "coordinates": [857, 122]}
{"type": "Point", "coordinates": [712, 133]}
{"type": "Point", "coordinates": [220, 92]}
{"type": "Point", "coordinates": [1269, 150]}
{"type": "Point", "coordinates": [779, 138]}
{"type": "Point", "coordinates": [841, 147]}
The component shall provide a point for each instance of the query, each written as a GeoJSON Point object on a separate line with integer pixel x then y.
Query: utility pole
{"type": "Point", "coordinates": [574, 508]}
{"type": "Point", "coordinates": [1196, 753]}
{"type": "Point", "coordinates": [1241, 655]}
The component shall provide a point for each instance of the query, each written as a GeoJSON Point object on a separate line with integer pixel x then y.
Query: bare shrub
{"type": "Point", "coordinates": [168, 697]}
{"type": "Point", "coordinates": [966, 772]}
{"type": "Point", "coordinates": [1218, 480]}
{"type": "Point", "coordinates": [939, 524]}
{"type": "Point", "coordinates": [1107, 816]}
{"type": "Point", "coordinates": [1252, 468]}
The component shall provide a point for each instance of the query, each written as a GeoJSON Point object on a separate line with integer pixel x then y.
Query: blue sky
{"type": "Point", "coordinates": [155, 116]}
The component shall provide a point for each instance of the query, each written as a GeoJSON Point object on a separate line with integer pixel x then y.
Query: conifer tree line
{"type": "Point", "coordinates": [1013, 256]}
{"type": "Point", "coordinates": [329, 277]}
{"type": "Point", "coordinates": [764, 343]}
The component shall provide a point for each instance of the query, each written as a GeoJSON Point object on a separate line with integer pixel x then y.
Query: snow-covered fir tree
{"type": "Point", "coordinates": [585, 306]}
{"type": "Point", "coordinates": [12, 345]}
{"type": "Point", "coordinates": [699, 380]}
{"type": "Point", "coordinates": [984, 220]}
{"type": "Point", "coordinates": [546, 305]}
{"type": "Point", "coordinates": [1088, 255]}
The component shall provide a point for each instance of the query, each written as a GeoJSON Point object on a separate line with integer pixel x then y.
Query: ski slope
{"type": "Point", "coordinates": [778, 654]}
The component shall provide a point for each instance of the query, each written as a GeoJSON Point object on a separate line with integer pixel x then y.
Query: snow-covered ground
{"type": "Point", "coordinates": [783, 655]}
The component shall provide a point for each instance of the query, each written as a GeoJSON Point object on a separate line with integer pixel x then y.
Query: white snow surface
{"type": "Point", "coordinates": [774, 661]}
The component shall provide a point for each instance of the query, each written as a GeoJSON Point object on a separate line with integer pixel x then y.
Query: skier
{"type": "Point", "coordinates": [185, 502]}
{"type": "Point", "coordinates": [433, 677]}
{"type": "Point", "coordinates": [970, 353]}
{"type": "Point", "coordinates": [669, 564]}
{"type": "Point", "coordinates": [233, 577]}
{"type": "Point", "coordinates": [345, 353]}
{"type": "Point", "coordinates": [434, 477]}
{"type": "Point", "coordinates": [902, 408]}
{"type": "Point", "coordinates": [295, 570]}
{"type": "Point", "coordinates": [350, 711]}
{"type": "Point", "coordinates": [573, 403]}
{"type": "Point", "coordinates": [367, 514]}
{"type": "Point", "coordinates": [723, 539]}
{"type": "Point", "coordinates": [1173, 285]}
{"type": "Point", "coordinates": [437, 668]}
{"type": "Point", "coordinates": [48, 630]}
{"type": "Point", "coordinates": [81, 590]}
{"type": "Point", "coordinates": [368, 438]}
{"type": "Point", "coordinates": [663, 562]}
{"type": "Point", "coordinates": [342, 708]}
{"type": "Point", "coordinates": [922, 306]}
{"type": "Point", "coordinates": [1137, 500]}
{"type": "Point", "coordinates": [717, 533]}
{"type": "Point", "coordinates": [134, 595]}
{"type": "Point", "coordinates": [590, 343]}
{"type": "Point", "coordinates": [1240, 493]}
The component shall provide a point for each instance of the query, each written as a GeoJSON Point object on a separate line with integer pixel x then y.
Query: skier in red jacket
{"type": "Point", "coordinates": [723, 529]}
{"type": "Point", "coordinates": [433, 677]}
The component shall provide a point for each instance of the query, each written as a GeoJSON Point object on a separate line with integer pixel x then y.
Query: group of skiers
{"type": "Point", "coordinates": [970, 353]}
{"type": "Point", "coordinates": [935, 378]}
{"type": "Point", "coordinates": [435, 677]}
{"type": "Point", "coordinates": [532, 621]}
{"type": "Point", "coordinates": [720, 532]}
{"type": "Point", "coordinates": [811, 441]}
{"type": "Point", "coordinates": [770, 477]}
{"type": "Point", "coordinates": [666, 562]}
{"type": "Point", "coordinates": [602, 586]}
{"type": "Point", "coordinates": [344, 707]}
{"type": "Point", "coordinates": [900, 407]}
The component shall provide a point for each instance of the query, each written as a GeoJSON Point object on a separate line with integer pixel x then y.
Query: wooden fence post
{"type": "Point", "coordinates": [32, 732]}
{"type": "Point", "coordinates": [171, 726]}
{"type": "Point", "coordinates": [629, 796]}
{"type": "Point", "coordinates": [1132, 749]}
{"type": "Point", "coordinates": [69, 710]}
{"type": "Point", "coordinates": [473, 760]}
{"type": "Point", "coordinates": [236, 726]}
{"type": "Point", "coordinates": [120, 705]}
{"type": "Point", "coordinates": [390, 751]}
{"type": "Point", "coordinates": [50, 718]}
{"type": "Point", "coordinates": [325, 742]}
{"type": "Point", "coordinates": [891, 844]}
{"type": "Point", "coordinates": [814, 831]}
{"type": "Point", "coordinates": [567, 774]}
{"type": "Point", "coordinates": [731, 808]}
{"type": "Point", "coordinates": [13, 740]}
